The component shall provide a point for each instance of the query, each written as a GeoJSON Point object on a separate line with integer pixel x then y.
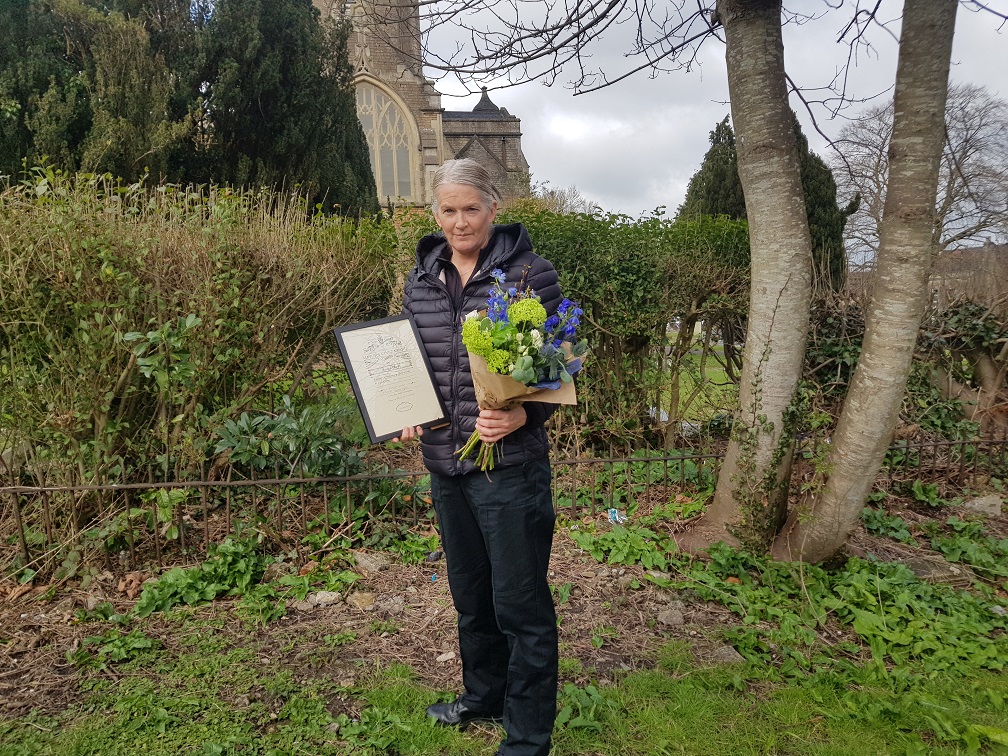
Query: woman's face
{"type": "Point", "coordinates": [464, 217]}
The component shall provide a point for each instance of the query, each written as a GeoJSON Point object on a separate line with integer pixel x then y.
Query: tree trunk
{"type": "Point", "coordinates": [751, 496]}
{"type": "Point", "coordinates": [821, 524]}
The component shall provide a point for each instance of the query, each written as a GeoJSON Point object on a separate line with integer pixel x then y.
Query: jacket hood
{"type": "Point", "coordinates": [506, 240]}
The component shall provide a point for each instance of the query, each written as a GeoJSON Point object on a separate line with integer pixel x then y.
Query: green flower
{"type": "Point", "coordinates": [498, 361]}
{"type": "Point", "coordinates": [527, 311]}
{"type": "Point", "coordinates": [476, 340]}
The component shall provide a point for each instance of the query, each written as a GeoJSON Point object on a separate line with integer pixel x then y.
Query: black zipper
{"type": "Point", "coordinates": [455, 316]}
{"type": "Point", "coordinates": [477, 277]}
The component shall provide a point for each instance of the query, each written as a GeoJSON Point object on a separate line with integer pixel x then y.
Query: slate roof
{"type": "Point", "coordinates": [485, 110]}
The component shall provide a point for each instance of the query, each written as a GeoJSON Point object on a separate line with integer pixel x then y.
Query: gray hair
{"type": "Point", "coordinates": [468, 172]}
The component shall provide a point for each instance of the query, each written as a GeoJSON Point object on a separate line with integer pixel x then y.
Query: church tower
{"type": "Point", "coordinates": [492, 137]}
{"type": "Point", "coordinates": [409, 133]}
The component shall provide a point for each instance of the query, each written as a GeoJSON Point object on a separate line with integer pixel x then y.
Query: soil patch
{"type": "Point", "coordinates": [612, 621]}
{"type": "Point", "coordinates": [609, 624]}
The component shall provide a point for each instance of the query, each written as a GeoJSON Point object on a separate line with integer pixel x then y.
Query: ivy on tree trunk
{"type": "Point", "coordinates": [751, 496]}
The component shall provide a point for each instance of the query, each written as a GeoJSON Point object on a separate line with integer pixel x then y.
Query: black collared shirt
{"type": "Point", "coordinates": [451, 274]}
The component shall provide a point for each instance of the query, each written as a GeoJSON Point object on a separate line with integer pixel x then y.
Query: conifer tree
{"type": "Point", "coordinates": [80, 87]}
{"type": "Point", "coordinates": [279, 99]}
{"type": "Point", "coordinates": [826, 220]}
{"type": "Point", "coordinates": [715, 189]}
{"type": "Point", "coordinates": [243, 92]}
{"type": "Point", "coordinates": [43, 100]}
{"type": "Point", "coordinates": [177, 33]}
{"type": "Point", "coordinates": [132, 131]}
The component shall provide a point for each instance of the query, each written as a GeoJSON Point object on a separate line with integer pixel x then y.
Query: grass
{"type": "Point", "coordinates": [864, 658]}
{"type": "Point", "coordinates": [713, 711]}
{"type": "Point", "coordinates": [702, 398]}
{"type": "Point", "coordinates": [212, 701]}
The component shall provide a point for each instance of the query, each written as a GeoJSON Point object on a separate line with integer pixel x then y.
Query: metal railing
{"type": "Point", "coordinates": [177, 521]}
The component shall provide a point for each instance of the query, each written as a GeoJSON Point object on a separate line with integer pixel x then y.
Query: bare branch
{"type": "Point", "coordinates": [971, 206]}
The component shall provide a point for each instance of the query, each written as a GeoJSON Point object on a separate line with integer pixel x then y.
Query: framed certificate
{"type": "Point", "coordinates": [391, 376]}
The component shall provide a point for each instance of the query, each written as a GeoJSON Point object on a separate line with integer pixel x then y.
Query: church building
{"type": "Point", "coordinates": [409, 133]}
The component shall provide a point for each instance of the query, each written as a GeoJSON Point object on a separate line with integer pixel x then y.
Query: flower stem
{"type": "Point", "coordinates": [484, 456]}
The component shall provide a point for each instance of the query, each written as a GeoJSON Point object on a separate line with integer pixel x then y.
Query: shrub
{"type": "Point", "coordinates": [138, 320]}
{"type": "Point", "coordinates": [642, 284]}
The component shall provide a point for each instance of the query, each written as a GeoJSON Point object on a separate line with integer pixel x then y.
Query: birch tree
{"type": "Point", "coordinates": [750, 501]}
{"type": "Point", "coordinates": [820, 525]}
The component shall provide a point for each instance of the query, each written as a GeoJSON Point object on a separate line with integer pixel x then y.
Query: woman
{"type": "Point", "coordinates": [497, 527]}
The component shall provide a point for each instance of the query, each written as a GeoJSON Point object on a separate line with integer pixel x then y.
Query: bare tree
{"type": "Point", "coordinates": [820, 525]}
{"type": "Point", "coordinates": [501, 43]}
{"type": "Point", "coordinates": [972, 202]}
{"type": "Point", "coordinates": [565, 200]}
{"type": "Point", "coordinates": [522, 40]}
{"type": "Point", "coordinates": [750, 501]}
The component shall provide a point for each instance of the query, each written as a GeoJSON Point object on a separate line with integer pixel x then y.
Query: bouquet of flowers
{"type": "Point", "coordinates": [518, 354]}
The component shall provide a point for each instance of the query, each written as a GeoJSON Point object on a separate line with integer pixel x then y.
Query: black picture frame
{"type": "Point", "coordinates": [391, 376]}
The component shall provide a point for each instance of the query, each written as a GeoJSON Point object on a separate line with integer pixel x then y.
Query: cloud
{"type": "Point", "coordinates": [634, 146]}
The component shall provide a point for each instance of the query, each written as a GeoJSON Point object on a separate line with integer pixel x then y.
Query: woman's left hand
{"type": "Point", "coordinates": [493, 425]}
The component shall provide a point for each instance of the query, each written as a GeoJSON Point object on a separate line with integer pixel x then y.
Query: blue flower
{"type": "Point", "coordinates": [573, 321]}
{"type": "Point", "coordinates": [512, 292]}
{"type": "Point", "coordinates": [497, 307]}
{"type": "Point", "coordinates": [498, 275]}
{"type": "Point", "coordinates": [497, 304]}
{"type": "Point", "coordinates": [563, 326]}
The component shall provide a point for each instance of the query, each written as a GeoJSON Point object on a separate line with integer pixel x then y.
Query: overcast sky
{"type": "Point", "coordinates": [633, 147]}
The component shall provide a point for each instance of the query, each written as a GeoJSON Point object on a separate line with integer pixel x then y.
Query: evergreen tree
{"type": "Point", "coordinates": [826, 220]}
{"type": "Point", "coordinates": [245, 92]}
{"type": "Point", "coordinates": [280, 104]}
{"type": "Point", "coordinates": [80, 87]}
{"type": "Point", "coordinates": [715, 189]}
{"type": "Point", "coordinates": [177, 33]}
{"type": "Point", "coordinates": [43, 98]}
{"type": "Point", "coordinates": [133, 131]}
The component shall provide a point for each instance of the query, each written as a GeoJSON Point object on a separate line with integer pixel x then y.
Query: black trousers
{"type": "Point", "coordinates": [497, 533]}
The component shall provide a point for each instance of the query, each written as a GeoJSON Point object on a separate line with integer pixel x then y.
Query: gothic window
{"type": "Point", "coordinates": [391, 141]}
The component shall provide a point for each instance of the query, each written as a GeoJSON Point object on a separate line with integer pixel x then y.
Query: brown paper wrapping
{"type": "Point", "coordinates": [495, 391]}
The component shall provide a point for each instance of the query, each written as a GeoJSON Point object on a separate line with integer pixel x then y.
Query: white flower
{"type": "Point", "coordinates": [537, 339]}
{"type": "Point", "coordinates": [471, 315]}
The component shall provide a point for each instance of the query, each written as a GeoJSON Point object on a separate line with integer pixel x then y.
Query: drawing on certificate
{"type": "Point", "coordinates": [392, 370]}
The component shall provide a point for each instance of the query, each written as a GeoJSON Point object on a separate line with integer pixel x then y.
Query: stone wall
{"type": "Point", "coordinates": [384, 50]}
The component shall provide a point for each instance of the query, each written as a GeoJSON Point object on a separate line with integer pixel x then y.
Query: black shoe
{"type": "Point", "coordinates": [457, 714]}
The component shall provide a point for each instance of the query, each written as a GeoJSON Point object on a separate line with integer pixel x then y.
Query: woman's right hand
{"type": "Point", "coordinates": [409, 433]}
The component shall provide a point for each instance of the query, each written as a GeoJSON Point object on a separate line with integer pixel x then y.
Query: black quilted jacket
{"type": "Point", "coordinates": [439, 321]}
